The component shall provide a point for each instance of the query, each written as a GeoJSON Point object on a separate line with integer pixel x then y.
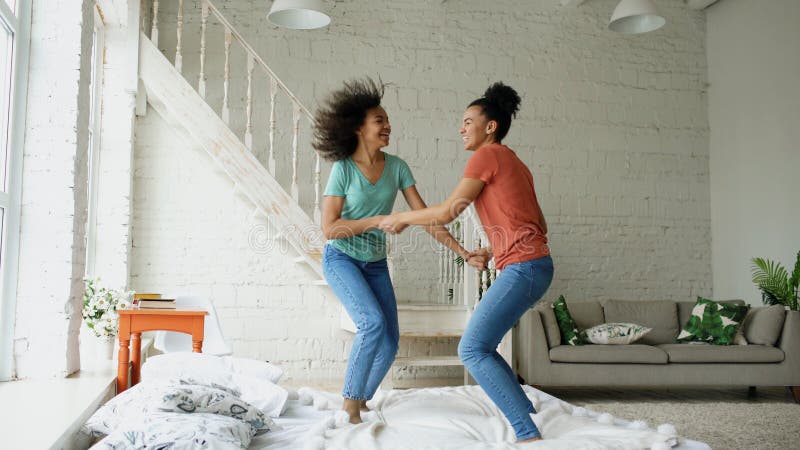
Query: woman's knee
{"type": "Point", "coordinates": [467, 349]}
{"type": "Point", "coordinates": [373, 324]}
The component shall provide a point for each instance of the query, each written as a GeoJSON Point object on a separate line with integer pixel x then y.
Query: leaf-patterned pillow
{"type": "Point", "coordinates": [567, 326]}
{"type": "Point", "coordinates": [207, 399]}
{"type": "Point", "coordinates": [616, 333]}
{"type": "Point", "coordinates": [163, 430]}
{"type": "Point", "coordinates": [713, 322]}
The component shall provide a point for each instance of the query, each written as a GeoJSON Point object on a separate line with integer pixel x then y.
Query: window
{"type": "Point", "coordinates": [95, 114]}
{"type": "Point", "coordinates": [14, 43]}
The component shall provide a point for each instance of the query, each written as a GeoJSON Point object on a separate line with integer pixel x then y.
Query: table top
{"type": "Point", "coordinates": [179, 311]}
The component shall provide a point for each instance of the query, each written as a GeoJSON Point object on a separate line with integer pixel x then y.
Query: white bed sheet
{"type": "Point", "coordinates": [462, 418]}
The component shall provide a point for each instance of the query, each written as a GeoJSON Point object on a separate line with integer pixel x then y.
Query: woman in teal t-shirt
{"type": "Point", "coordinates": [350, 129]}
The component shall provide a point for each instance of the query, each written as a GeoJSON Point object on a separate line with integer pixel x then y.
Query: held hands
{"type": "Point", "coordinates": [479, 259]}
{"type": "Point", "coordinates": [390, 224]}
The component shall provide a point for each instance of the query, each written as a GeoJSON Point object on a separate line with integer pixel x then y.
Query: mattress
{"type": "Point", "coordinates": [461, 418]}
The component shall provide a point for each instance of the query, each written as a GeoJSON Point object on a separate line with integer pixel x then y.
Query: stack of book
{"type": "Point", "coordinates": [157, 303]}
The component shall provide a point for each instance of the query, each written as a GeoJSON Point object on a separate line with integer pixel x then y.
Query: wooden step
{"type": "Point", "coordinates": [428, 361]}
{"type": "Point", "coordinates": [423, 320]}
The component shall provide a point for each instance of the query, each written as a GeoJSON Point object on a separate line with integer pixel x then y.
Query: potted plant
{"type": "Point", "coordinates": [100, 306]}
{"type": "Point", "coordinates": [777, 286]}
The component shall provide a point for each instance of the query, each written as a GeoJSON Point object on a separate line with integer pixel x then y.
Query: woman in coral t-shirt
{"type": "Point", "coordinates": [502, 188]}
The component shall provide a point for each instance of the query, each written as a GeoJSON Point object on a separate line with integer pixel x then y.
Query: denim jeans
{"type": "Point", "coordinates": [366, 292]}
{"type": "Point", "coordinates": [517, 288]}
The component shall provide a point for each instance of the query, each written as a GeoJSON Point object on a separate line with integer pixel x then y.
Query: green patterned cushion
{"type": "Point", "coordinates": [713, 322]}
{"type": "Point", "coordinates": [569, 331]}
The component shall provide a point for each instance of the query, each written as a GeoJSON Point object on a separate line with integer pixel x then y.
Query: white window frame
{"type": "Point", "coordinates": [20, 26]}
{"type": "Point", "coordinates": [95, 123]}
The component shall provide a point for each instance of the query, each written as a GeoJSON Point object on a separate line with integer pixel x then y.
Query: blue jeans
{"type": "Point", "coordinates": [517, 288]}
{"type": "Point", "coordinates": [366, 291]}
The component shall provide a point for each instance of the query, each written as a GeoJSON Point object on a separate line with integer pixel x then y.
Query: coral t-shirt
{"type": "Point", "coordinates": [507, 205]}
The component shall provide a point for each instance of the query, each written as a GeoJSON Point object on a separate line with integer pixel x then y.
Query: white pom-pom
{"type": "Point", "coordinates": [660, 446]}
{"type": "Point", "coordinates": [606, 419]}
{"type": "Point", "coordinates": [314, 443]}
{"type": "Point", "coordinates": [369, 416]}
{"type": "Point", "coordinates": [638, 425]}
{"type": "Point", "coordinates": [668, 429]}
{"type": "Point", "coordinates": [293, 395]}
{"type": "Point", "coordinates": [580, 411]}
{"type": "Point", "coordinates": [305, 398]}
{"type": "Point", "coordinates": [330, 422]}
{"type": "Point", "coordinates": [320, 403]}
{"type": "Point", "coordinates": [341, 418]}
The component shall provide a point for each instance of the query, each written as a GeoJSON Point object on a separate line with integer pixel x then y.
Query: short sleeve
{"type": "Point", "coordinates": [337, 181]}
{"type": "Point", "coordinates": [406, 178]}
{"type": "Point", "coordinates": [482, 165]}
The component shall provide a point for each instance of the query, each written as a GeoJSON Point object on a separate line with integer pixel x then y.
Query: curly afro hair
{"type": "Point", "coordinates": [499, 103]}
{"type": "Point", "coordinates": [342, 113]}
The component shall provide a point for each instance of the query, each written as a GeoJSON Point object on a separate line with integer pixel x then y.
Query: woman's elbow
{"type": "Point", "coordinates": [445, 216]}
{"type": "Point", "coordinates": [327, 231]}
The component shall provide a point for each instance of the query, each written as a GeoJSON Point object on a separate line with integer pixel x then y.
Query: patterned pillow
{"type": "Point", "coordinates": [616, 333]}
{"type": "Point", "coordinates": [207, 399]}
{"type": "Point", "coordinates": [162, 430]}
{"type": "Point", "coordinates": [713, 322]}
{"type": "Point", "coordinates": [569, 331]}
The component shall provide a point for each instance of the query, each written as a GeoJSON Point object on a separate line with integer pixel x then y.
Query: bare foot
{"type": "Point", "coordinates": [533, 439]}
{"type": "Point", "coordinates": [353, 409]}
{"type": "Point", "coordinates": [363, 405]}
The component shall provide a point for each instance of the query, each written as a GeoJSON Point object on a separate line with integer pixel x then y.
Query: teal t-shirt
{"type": "Point", "coordinates": [363, 199]}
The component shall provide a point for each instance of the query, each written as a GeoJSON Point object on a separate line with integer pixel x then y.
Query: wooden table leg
{"type": "Point", "coordinates": [197, 345]}
{"type": "Point", "coordinates": [136, 357]}
{"type": "Point", "coordinates": [122, 365]}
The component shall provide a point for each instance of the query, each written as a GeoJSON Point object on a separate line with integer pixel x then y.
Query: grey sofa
{"type": "Point", "coordinates": [772, 357]}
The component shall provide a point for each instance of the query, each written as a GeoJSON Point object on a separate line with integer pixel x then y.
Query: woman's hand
{"type": "Point", "coordinates": [479, 261]}
{"type": "Point", "coordinates": [391, 224]}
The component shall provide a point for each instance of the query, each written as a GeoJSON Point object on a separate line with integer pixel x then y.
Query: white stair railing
{"type": "Point", "coordinates": [459, 284]}
{"type": "Point", "coordinates": [233, 40]}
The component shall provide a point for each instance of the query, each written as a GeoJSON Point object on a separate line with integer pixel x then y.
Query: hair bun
{"type": "Point", "coordinates": [504, 97]}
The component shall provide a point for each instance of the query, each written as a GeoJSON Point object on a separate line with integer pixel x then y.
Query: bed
{"type": "Point", "coordinates": [460, 417]}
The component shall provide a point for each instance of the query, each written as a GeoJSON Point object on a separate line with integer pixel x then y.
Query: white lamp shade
{"type": "Point", "coordinates": [635, 17]}
{"type": "Point", "coordinates": [298, 14]}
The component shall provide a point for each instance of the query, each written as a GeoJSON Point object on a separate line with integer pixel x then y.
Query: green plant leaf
{"type": "Point", "coordinates": [773, 279]}
{"type": "Point", "coordinates": [794, 281]}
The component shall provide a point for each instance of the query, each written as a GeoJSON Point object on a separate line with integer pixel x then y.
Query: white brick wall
{"type": "Point", "coordinates": [50, 289]}
{"type": "Point", "coordinates": [613, 127]}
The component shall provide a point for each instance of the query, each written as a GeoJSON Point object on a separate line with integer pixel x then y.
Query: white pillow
{"type": "Point", "coordinates": [616, 333]}
{"type": "Point", "coordinates": [263, 394]}
{"type": "Point", "coordinates": [182, 365]}
{"type": "Point", "coordinates": [255, 380]}
{"type": "Point", "coordinates": [180, 432]}
{"type": "Point", "coordinates": [253, 368]}
{"type": "Point", "coordinates": [197, 398]}
{"type": "Point", "coordinates": [140, 400]}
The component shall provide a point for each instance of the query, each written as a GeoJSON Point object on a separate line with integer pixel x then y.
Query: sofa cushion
{"type": "Point", "coordinates": [661, 316]}
{"type": "Point", "coordinates": [713, 322]}
{"type": "Point", "coordinates": [587, 314]}
{"type": "Point", "coordinates": [549, 323]}
{"type": "Point", "coordinates": [707, 353]}
{"type": "Point", "coordinates": [615, 333]}
{"type": "Point", "coordinates": [570, 334]}
{"type": "Point", "coordinates": [593, 354]}
{"type": "Point", "coordinates": [763, 325]}
{"type": "Point", "coordinates": [685, 309]}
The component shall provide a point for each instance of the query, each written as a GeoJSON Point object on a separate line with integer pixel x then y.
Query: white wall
{"type": "Point", "coordinates": [754, 114]}
{"type": "Point", "coordinates": [613, 127]}
{"type": "Point", "coordinates": [54, 183]}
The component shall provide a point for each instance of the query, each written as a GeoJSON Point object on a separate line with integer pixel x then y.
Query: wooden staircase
{"type": "Point", "coordinates": [181, 105]}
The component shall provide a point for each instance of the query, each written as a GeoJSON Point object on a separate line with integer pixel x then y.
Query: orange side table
{"type": "Point", "coordinates": [132, 322]}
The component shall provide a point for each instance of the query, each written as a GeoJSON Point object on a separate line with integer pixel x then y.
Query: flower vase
{"type": "Point", "coordinates": [105, 348]}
